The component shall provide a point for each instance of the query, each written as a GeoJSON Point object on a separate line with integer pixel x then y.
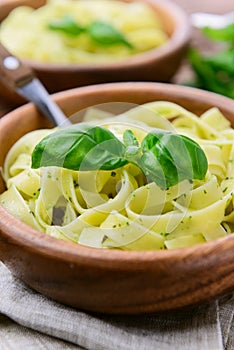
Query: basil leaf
{"type": "Point", "coordinates": [133, 150]}
{"type": "Point", "coordinates": [105, 34]}
{"type": "Point", "coordinates": [221, 34]}
{"type": "Point", "coordinates": [66, 25]}
{"type": "Point", "coordinates": [130, 139]}
{"type": "Point", "coordinates": [80, 147]}
{"type": "Point", "coordinates": [169, 158]}
{"type": "Point", "coordinates": [214, 73]}
{"type": "Point", "coordinates": [222, 61]}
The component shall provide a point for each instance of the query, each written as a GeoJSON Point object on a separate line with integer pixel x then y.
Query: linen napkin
{"type": "Point", "coordinates": [30, 321]}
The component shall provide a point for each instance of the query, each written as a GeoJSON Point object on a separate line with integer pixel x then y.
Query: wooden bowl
{"type": "Point", "coordinates": [114, 281]}
{"type": "Point", "coordinates": [159, 64]}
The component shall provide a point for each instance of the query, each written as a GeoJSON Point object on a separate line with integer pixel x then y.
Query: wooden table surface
{"type": "Point", "coordinates": [190, 6]}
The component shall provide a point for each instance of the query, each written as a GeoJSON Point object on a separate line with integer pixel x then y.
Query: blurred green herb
{"type": "Point", "coordinates": [215, 72]}
{"type": "Point", "coordinates": [221, 34]}
{"type": "Point", "coordinates": [101, 33]}
{"type": "Point", "coordinates": [105, 34]}
{"type": "Point", "coordinates": [66, 25]}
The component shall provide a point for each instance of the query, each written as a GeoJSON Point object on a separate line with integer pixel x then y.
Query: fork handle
{"type": "Point", "coordinates": [13, 73]}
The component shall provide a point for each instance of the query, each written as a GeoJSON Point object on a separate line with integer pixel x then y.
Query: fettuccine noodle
{"type": "Point", "coordinates": [119, 209]}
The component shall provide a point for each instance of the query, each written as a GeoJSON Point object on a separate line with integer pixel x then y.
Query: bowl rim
{"type": "Point", "coordinates": [179, 38]}
{"type": "Point", "coordinates": [22, 234]}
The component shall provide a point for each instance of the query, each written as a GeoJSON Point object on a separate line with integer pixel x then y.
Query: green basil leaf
{"type": "Point", "coordinates": [130, 139]}
{"type": "Point", "coordinates": [221, 34]}
{"type": "Point", "coordinates": [222, 61]}
{"type": "Point", "coordinates": [80, 147]}
{"type": "Point", "coordinates": [66, 25]}
{"type": "Point", "coordinates": [213, 73]}
{"type": "Point", "coordinates": [169, 158]}
{"type": "Point", "coordinates": [133, 150]}
{"type": "Point", "coordinates": [105, 34]}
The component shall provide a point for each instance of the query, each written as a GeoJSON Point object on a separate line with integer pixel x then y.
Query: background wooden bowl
{"type": "Point", "coordinates": [114, 281]}
{"type": "Point", "coordinates": [159, 64]}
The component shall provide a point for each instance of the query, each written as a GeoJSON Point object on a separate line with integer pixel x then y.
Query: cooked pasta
{"type": "Point", "coordinates": [26, 31]}
{"type": "Point", "coordinates": [118, 208]}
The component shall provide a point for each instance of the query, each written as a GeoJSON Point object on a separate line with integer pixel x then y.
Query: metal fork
{"type": "Point", "coordinates": [21, 79]}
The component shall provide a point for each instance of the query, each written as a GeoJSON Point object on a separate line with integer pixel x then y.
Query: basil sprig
{"type": "Point", "coordinates": [164, 157]}
{"type": "Point", "coordinates": [100, 32]}
{"type": "Point", "coordinates": [215, 71]}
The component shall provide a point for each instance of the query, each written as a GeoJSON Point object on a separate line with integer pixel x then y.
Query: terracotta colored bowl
{"type": "Point", "coordinates": [159, 64]}
{"type": "Point", "coordinates": [114, 281]}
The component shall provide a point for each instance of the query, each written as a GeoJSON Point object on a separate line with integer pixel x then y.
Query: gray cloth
{"type": "Point", "coordinates": [30, 321]}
